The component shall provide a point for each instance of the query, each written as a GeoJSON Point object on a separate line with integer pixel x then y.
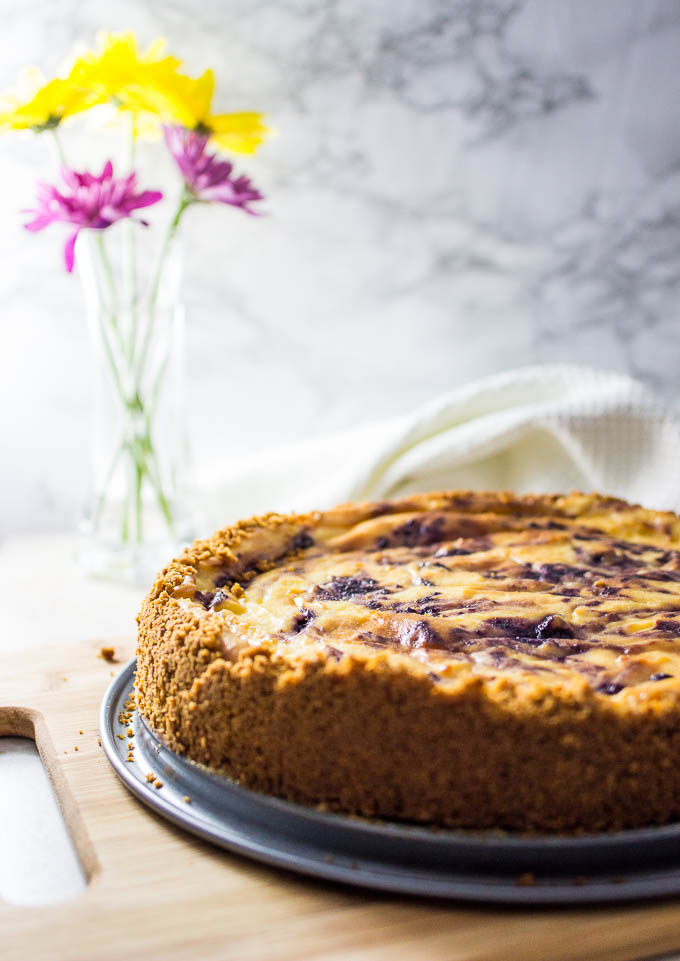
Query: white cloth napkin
{"type": "Point", "coordinates": [552, 428]}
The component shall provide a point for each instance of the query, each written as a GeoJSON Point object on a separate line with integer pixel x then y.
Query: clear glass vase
{"type": "Point", "coordinates": [140, 511]}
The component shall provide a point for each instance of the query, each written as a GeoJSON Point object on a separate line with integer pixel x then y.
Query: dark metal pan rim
{"type": "Point", "coordinates": [406, 858]}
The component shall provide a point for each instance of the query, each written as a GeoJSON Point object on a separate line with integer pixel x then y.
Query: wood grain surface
{"type": "Point", "coordinates": [155, 892]}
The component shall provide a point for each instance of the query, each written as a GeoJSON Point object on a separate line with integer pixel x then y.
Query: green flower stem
{"type": "Point", "coordinates": [131, 267]}
{"type": "Point", "coordinates": [109, 355]}
{"type": "Point", "coordinates": [58, 148]}
{"type": "Point", "coordinates": [108, 274]}
{"type": "Point", "coordinates": [112, 295]}
{"type": "Point", "coordinates": [129, 248]}
{"type": "Point", "coordinates": [115, 374]}
{"type": "Point", "coordinates": [139, 479]}
{"type": "Point", "coordinates": [140, 447]}
{"type": "Point", "coordinates": [186, 199]}
{"type": "Point", "coordinates": [151, 468]}
{"type": "Point", "coordinates": [144, 452]}
{"type": "Point", "coordinates": [155, 390]}
{"type": "Point", "coordinates": [121, 393]}
{"type": "Point", "coordinates": [144, 458]}
{"type": "Point", "coordinates": [125, 526]}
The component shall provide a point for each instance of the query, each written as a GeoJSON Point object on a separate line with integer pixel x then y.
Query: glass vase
{"type": "Point", "coordinates": [139, 513]}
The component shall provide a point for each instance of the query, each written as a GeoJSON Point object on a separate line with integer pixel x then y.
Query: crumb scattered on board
{"type": "Point", "coordinates": [107, 653]}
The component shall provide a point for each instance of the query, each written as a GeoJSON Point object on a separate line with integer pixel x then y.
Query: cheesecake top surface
{"type": "Point", "coordinates": [577, 590]}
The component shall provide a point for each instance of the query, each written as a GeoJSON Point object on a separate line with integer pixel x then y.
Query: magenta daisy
{"type": "Point", "coordinates": [207, 177]}
{"type": "Point", "coordinates": [89, 202]}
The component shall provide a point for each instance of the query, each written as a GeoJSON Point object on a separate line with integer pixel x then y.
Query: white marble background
{"type": "Point", "coordinates": [457, 187]}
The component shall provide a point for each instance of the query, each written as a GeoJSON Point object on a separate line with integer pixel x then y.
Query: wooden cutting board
{"type": "Point", "coordinates": [155, 892]}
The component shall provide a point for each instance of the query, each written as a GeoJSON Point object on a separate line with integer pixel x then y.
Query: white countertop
{"type": "Point", "coordinates": [40, 575]}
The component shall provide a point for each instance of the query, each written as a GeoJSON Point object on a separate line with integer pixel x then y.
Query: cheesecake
{"type": "Point", "coordinates": [458, 659]}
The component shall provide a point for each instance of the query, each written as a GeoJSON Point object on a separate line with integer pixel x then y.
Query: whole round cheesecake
{"type": "Point", "coordinates": [469, 659]}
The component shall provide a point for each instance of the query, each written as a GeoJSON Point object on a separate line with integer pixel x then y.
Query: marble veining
{"type": "Point", "coordinates": [455, 188]}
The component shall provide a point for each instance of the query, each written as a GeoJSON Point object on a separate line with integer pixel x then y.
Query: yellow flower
{"type": "Point", "coordinates": [238, 132]}
{"type": "Point", "coordinates": [147, 84]}
{"type": "Point", "coordinates": [36, 105]}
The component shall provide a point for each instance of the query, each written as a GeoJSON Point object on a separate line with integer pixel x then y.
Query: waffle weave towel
{"type": "Point", "coordinates": [551, 428]}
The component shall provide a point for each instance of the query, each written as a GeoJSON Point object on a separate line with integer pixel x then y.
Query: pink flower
{"type": "Point", "coordinates": [89, 201]}
{"type": "Point", "coordinates": [206, 176]}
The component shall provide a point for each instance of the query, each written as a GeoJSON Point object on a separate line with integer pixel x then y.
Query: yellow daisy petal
{"type": "Point", "coordinates": [238, 132]}
{"type": "Point", "coordinates": [197, 97]}
{"type": "Point", "coordinates": [38, 105]}
{"type": "Point", "coordinates": [145, 83]}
